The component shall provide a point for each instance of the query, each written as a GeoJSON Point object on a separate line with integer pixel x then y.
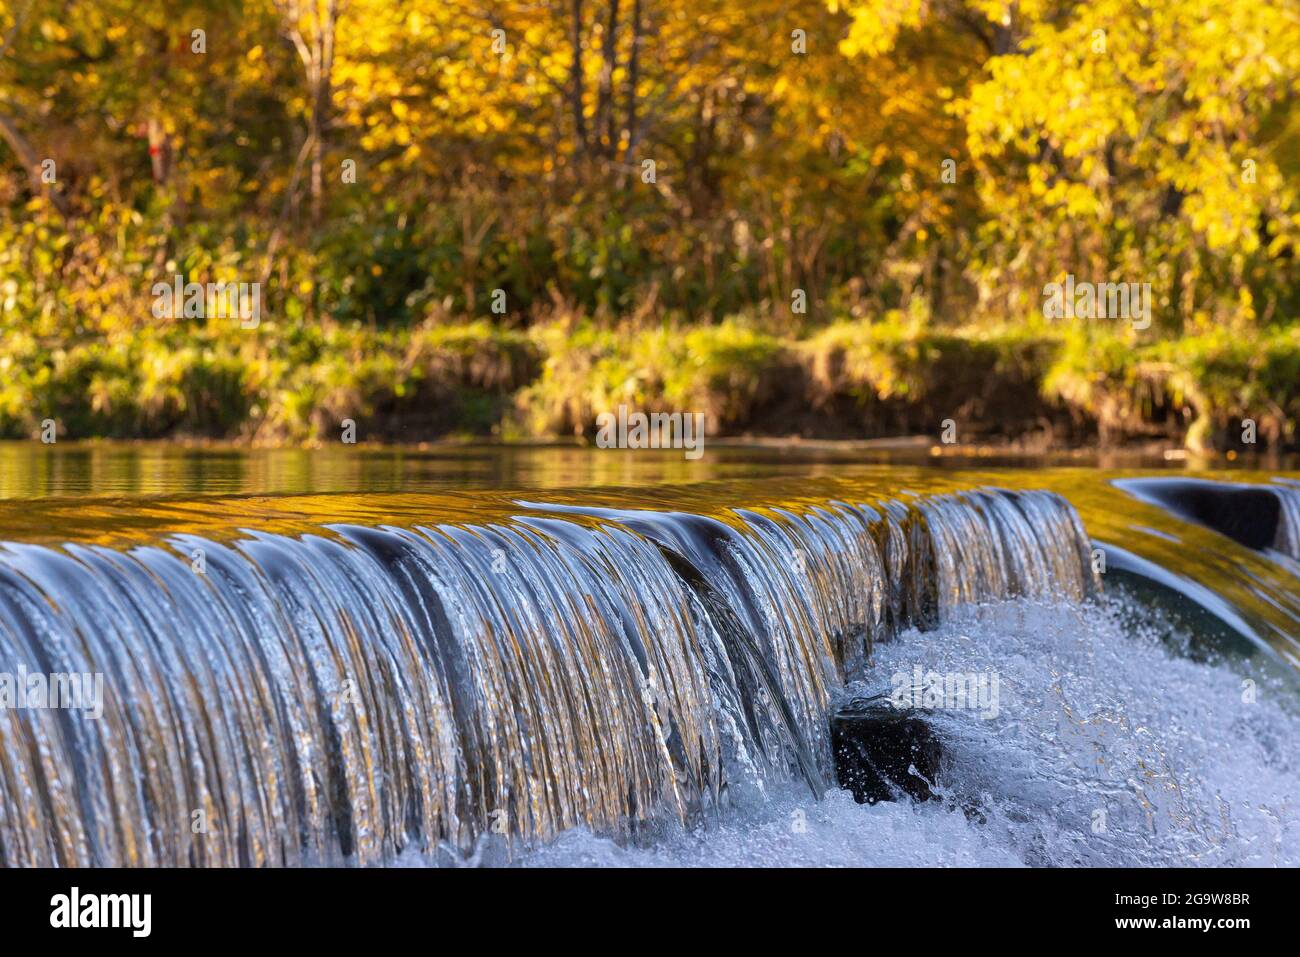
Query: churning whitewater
{"type": "Point", "coordinates": [354, 694]}
{"type": "Point", "coordinates": [1110, 749]}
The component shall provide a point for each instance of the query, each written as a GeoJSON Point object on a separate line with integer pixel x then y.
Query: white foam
{"type": "Point", "coordinates": [1093, 717]}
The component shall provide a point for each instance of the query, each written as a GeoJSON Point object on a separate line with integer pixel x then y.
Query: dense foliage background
{"type": "Point", "coordinates": [915, 170]}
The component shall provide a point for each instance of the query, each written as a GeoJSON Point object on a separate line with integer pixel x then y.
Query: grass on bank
{"type": "Point", "coordinates": [853, 378]}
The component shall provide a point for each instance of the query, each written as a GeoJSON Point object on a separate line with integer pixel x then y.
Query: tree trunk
{"type": "Point", "coordinates": [575, 74]}
{"type": "Point", "coordinates": [30, 161]}
{"type": "Point", "coordinates": [317, 160]}
{"type": "Point", "coordinates": [633, 75]}
{"type": "Point", "coordinates": [322, 91]}
{"type": "Point", "coordinates": [159, 150]}
{"type": "Point", "coordinates": [606, 122]}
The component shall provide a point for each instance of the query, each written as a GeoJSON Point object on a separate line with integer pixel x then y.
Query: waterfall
{"type": "Point", "coordinates": [1287, 540]}
{"type": "Point", "coordinates": [352, 692]}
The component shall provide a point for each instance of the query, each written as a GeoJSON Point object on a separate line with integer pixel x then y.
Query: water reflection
{"type": "Point", "coordinates": [32, 470]}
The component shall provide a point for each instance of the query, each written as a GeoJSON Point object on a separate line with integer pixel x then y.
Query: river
{"type": "Point", "coordinates": [573, 656]}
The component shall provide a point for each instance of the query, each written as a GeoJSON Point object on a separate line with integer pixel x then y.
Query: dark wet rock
{"type": "Point", "coordinates": [883, 753]}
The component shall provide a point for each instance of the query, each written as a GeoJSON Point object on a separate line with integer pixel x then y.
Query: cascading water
{"type": "Point", "coordinates": [353, 692]}
{"type": "Point", "coordinates": [1288, 528]}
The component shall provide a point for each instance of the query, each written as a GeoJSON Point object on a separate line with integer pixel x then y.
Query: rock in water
{"type": "Point", "coordinates": [883, 752]}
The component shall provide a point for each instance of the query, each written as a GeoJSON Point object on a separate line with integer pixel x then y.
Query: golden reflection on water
{"type": "Point", "coordinates": [120, 495]}
{"type": "Point", "coordinates": [114, 493]}
{"type": "Point", "coordinates": [31, 470]}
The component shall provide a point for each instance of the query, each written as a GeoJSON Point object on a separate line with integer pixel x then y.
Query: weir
{"type": "Point", "coordinates": [351, 693]}
{"type": "Point", "coordinates": [1259, 516]}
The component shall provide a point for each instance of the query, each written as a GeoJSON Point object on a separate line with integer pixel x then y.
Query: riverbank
{"type": "Point", "coordinates": [1033, 385]}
